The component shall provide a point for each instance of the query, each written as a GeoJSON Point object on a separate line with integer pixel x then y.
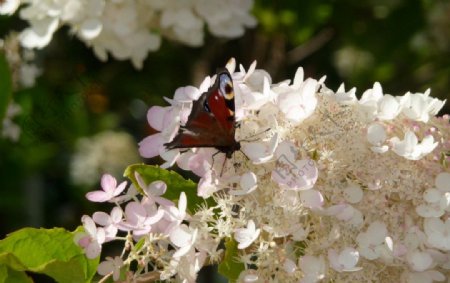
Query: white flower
{"type": "Point", "coordinates": [369, 100]}
{"type": "Point", "coordinates": [419, 261]}
{"type": "Point", "coordinates": [248, 183]}
{"type": "Point", "coordinates": [313, 268]}
{"type": "Point", "coordinates": [183, 238]}
{"type": "Point", "coordinates": [437, 201]}
{"type": "Point", "coordinates": [419, 106]}
{"type": "Point", "coordinates": [344, 97]}
{"type": "Point", "coordinates": [376, 135]}
{"type": "Point", "coordinates": [388, 107]}
{"type": "Point", "coordinates": [438, 233]}
{"type": "Point", "coordinates": [8, 7]}
{"type": "Point", "coordinates": [246, 236]}
{"type": "Point", "coordinates": [344, 261]}
{"type": "Point", "coordinates": [39, 34]}
{"type": "Point", "coordinates": [207, 185]}
{"type": "Point", "coordinates": [260, 152]}
{"type": "Point", "coordinates": [410, 148]}
{"type": "Point", "coordinates": [289, 266]}
{"type": "Point", "coordinates": [371, 244]}
{"type": "Point", "coordinates": [177, 214]}
{"type": "Point", "coordinates": [298, 101]}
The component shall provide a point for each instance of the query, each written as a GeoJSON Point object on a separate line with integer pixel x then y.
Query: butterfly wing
{"type": "Point", "coordinates": [211, 122]}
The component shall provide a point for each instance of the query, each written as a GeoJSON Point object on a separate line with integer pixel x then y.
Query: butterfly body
{"type": "Point", "coordinates": [211, 122]}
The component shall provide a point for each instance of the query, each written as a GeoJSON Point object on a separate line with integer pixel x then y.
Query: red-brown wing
{"type": "Point", "coordinates": [211, 122]}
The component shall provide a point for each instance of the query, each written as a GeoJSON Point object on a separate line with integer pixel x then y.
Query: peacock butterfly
{"type": "Point", "coordinates": [211, 122]}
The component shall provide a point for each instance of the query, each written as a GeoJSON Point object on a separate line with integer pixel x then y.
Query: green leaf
{"type": "Point", "coordinates": [8, 275]}
{"type": "Point", "coordinates": [5, 86]}
{"type": "Point", "coordinates": [48, 251]}
{"type": "Point", "coordinates": [230, 267]}
{"type": "Point", "coordinates": [175, 184]}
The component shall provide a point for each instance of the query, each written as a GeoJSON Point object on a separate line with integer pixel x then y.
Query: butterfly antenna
{"type": "Point", "coordinates": [223, 167]}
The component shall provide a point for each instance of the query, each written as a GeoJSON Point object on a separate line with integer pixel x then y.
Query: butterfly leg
{"type": "Point", "coordinates": [223, 164]}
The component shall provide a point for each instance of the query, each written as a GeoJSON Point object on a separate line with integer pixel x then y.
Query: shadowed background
{"type": "Point", "coordinates": [84, 117]}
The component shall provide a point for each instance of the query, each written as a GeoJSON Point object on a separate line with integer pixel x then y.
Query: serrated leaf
{"type": "Point", "coordinates": [230, 267]}
{"type": "Point", "coordinates": [48, 251]}
{"type": "Point", "coordinates": [5, 86]}
{"type": "Point", "coordinates": [175, 183]}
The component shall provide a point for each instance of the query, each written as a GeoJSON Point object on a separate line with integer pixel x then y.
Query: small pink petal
{"type": "Point", "coordinates": [89, 225]}
{"type": "Point", "coordinates": [108, 183]}
{"type": "Point", "coordinates": [157, 188]}
{"type": "Point", "coordinates": [120, 188]}
{"type": "Point", "coordinates": [155, 117]}
{"type": "Point", "coordinates": [185, 94]}
{"type": "Point", "coordinates": [311, 198]}
{"type": "Point", "coordinates": [201, 162]}
{"type": "Point", "coordinates": [116, 214]}
{"type": "Point", "coordinates": [93, 250]}
{"type": "Point", "coordinates": [101, 218]}
{"type": "Point", "coordinates": [151, 145]}
{"type": "Point", "coordinates": [97, 196]}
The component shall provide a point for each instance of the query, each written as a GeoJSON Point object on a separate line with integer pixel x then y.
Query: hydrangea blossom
{"type": "Point", "coordinates": [334, 188]}
{"type": "Point", "coordinates": [129, 30]}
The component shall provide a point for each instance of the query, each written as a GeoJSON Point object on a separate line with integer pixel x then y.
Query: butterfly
{"type": "Point", "coordinates": [212, 121]}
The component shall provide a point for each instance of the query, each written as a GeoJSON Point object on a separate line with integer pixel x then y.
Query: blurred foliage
{"type": "Point", "coordinates": [404, 44]}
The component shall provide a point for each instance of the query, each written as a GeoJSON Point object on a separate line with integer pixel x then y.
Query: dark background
{"type": "Point", "coordinates": [403, 44]}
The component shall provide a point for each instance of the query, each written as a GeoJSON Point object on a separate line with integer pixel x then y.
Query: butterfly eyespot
{"type": "Point", "coordinates": [226, 86]}
{"type": "Point", "coordinates": [228, 89]}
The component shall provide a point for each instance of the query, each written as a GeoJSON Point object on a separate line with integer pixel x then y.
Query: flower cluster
{"type": "Point", "coordinates": [158, 232]}
{"type": "Point", "coordinates": [335, 187]}
{"type": "Point", "coordinates": [130, 29]}
{"type": "Point", "coordinates": [326, 186]}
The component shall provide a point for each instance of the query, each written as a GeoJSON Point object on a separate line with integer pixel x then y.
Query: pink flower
{"type": "Point", "coordinates": [140, 217]}
{"type": "Point", "coordinates": [91, 239]}
{"type": "Point", "coordinates": [111, 265]}
{"type": "Point", "coordinates": [154, 190]}
{"type": "Point", "coordinates": [109, 190]}
{"type": "Point", "coordinates": [109, 222]}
